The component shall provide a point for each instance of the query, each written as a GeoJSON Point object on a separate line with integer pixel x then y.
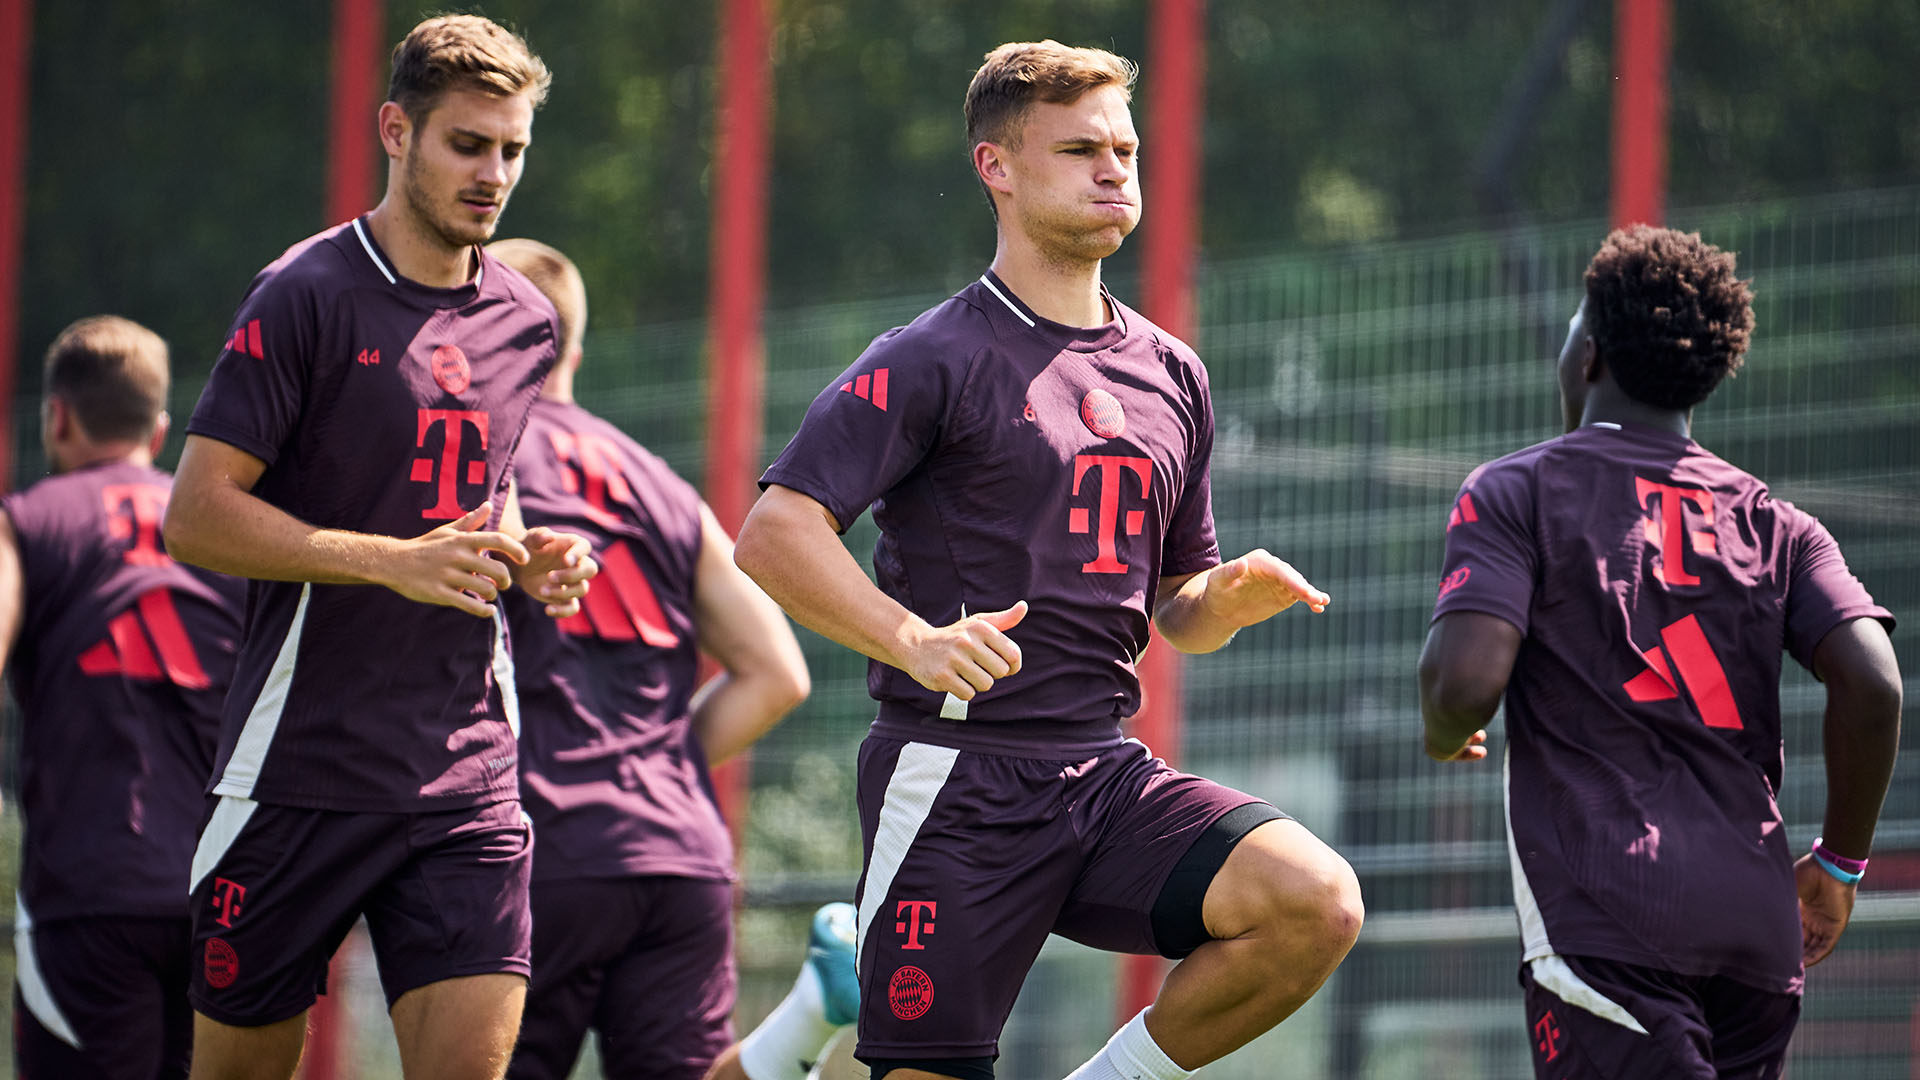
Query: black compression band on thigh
{"type": "Point", "coordinates": [979, 1068]}
{"type": "Point", "coordinates": [1178, 927]}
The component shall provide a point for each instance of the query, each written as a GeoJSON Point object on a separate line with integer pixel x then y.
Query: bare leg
{"type": "Point", "coordinates": [224, 1052]}
{"type": "Point", "coordinates": [459, 1029]}
{"type": "Point", "coordinates": [1284, 910]}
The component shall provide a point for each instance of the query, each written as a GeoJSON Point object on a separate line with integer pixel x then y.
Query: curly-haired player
{"type": "Point", "coordinates": [1629, 594]}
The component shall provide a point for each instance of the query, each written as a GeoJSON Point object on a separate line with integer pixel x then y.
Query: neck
{"type": "Point", "coordinates": [1608, 405]}
{"type": "Point", "coordinates": [416, 252]}
{"type": "Point", "coordinates": [1066, 291]}
{"type": "Point", "coordinates": [559, 385]}
{"type": "Point", "coordinates": [93, 454]}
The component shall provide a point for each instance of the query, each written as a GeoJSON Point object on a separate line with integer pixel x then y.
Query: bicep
{"type": "Point", "coordinates": [1467, 660]}
{"type": "Point", "coordinates": [13, 590]}
{"type": "Point", "coordinates": [1857, 654]}
{"type": "Point", "coordinates": [207, 462]}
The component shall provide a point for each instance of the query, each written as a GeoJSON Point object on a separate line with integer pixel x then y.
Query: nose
{"type": "Point", "coordinates": [494, 170]}
{"type": "Point", "coordinates": [1113, 169]}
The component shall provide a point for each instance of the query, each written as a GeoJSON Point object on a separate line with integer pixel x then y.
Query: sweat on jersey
{"type": "Point", "coordinates": [1007, 458]}
{"type": "Point", "coordinates": [610, 770]}
{"type": "Point", "coordinates": [123, 659]}
{"type": "Point", "coordinates": [379, 405]}
{"type": "Point", "coordinates": [1656, 587]}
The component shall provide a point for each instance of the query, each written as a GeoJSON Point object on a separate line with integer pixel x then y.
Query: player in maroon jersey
{"type": "Point", "coordinates": [119, 658]}
{"type": "Point", "coordinates": [1037, 457]}
{"type": "Point", "coordinates": [1629, 595]}
{"type": "Point", "coordinates": [359, 429]}
{"type": "Point", "coordinates": [632, 890]}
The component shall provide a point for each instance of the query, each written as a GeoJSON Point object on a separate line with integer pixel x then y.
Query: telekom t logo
{"type": "Point", "coordinates": [911, 923]}
{"type": "Point", "coordinates": [593, 473]}
{"type": "Point", "coordinates": [1546, 1035]}
{"type": "Point", "coordinates": [1669, 532]}
{"type": "Point", "coordinates": [455, 422]}
{"type": "Point", "coordinates": [226, 900]}
{"type": "Point", "coordinates": [133, 513]}
{"type": "Point", "coordinates": [1113, 477]}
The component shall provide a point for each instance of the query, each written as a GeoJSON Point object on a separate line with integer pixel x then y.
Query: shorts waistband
{"type": "Point", "coordinates": [1044, 740]}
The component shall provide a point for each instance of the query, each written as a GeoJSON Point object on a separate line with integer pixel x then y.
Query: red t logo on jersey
{"type": "Point", "coordinates": [455, 421]}
{"type": "Point", "coordinates": [911, 924]}
{"type": "Point", "coordinates": [133, 513]}
{"type": "Point", "coordinates": [1113, 469]}
{"type": "Point", "coordinates": [591, 470]}
{"type": "Point", "coordinates": [1662, 530]}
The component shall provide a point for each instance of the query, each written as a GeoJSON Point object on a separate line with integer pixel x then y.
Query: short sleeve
{"type": "Point", "coordinates": [1821, 592]}
{"type": "Point", "coordinates": [1490, 557]}
{"type": "Point", "coordinates": [871, 426]}
{"type": "Point", "coordinates": [1191, 543]}
{"type": "Point", "coordinates": [254, 397]}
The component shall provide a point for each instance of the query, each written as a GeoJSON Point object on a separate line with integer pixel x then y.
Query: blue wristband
{"type": "Point", "coordinates": [1844, 877]}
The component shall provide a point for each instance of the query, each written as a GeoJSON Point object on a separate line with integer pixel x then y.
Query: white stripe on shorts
{"type": "Point", "coordinates": [917, 778]}
{"type": "Point", "coordinates": [35, 994]}
{"type": "Point", "coordinates": [223, 828]}
{"type": "Point", "coordinates": [1555, 977]}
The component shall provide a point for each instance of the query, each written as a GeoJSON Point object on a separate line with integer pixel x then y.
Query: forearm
{"type": "Point", "coordinates": [1861, 744]}
{"type": "Point", "coordinates": [235, 532]}
{"type": "Point", "coordinates": [732, 711]}
{"type": "Point", "coordinates": [1186, 623]}
{"type": "Point", "coordinates": [797, 559]}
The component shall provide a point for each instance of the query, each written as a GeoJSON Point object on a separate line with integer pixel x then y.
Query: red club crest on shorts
{"type": "Point", "coordinates": [1102, 414]}
{"type": "Point", "coordinates": [910, 993]}
{"type": "Point", "coordinates": [223, 964]}
{"type": "Point", "coordinates": [451, 370]}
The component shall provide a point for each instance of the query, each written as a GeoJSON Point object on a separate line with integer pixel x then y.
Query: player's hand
{"type": "Point", "coordinates": [1256, 587]}
{"type": "Point", "coordinates": [558, 567]}
{"type": "Point", "coordinates": [1474, 749]}
{"type": "Point", "coordinates": [1825, 907]}
{"type": "Point", "coordinates": [964, 658]}
{"type": "Point", "coordinates": [450, 565]}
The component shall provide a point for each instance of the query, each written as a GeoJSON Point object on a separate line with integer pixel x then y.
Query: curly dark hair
{"type": "Point", "coordinates": [1667, 314]}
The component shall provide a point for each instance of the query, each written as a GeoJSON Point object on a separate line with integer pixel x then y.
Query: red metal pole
{"type": "Point", "coordinates": [736, 287]}
{"type": "Point", "coordinates": [355, 102]}
{"type": "Point", "coordinates": [16, 31]}
{"type": "Point", "coordinates": [1642, 44]}
{"type": "Point", "coordinates": [1176, 92]}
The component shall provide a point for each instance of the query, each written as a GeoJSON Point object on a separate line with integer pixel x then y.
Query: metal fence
{"type": "Point", "coordinates": [1354, 390]}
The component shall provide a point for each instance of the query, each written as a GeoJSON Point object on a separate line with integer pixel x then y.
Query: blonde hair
{"type": "Point", "coordinates": [463, 52]}
{"type": "Point", "coordinates": [1020, 74]}
{"type": "Point", "coordinates": [553, 274]}
{"type": "Point", "coordinates": [112, 372]}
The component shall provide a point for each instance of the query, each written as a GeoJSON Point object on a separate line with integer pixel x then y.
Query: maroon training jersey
{"type": "Point", "coordinates": [1008, 458]}
{"type": "Point", "coordinates": [1656, 586]}
{"type": "Point", "coordinates": [610, 771]}
{"type": "Point", "coordinates": [123, 659]}
{"type": "Point", "coordinates": [380, 405]}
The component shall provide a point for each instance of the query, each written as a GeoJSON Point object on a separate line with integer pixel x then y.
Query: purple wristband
{"type": "Point", "coordinates": [1851, 866]}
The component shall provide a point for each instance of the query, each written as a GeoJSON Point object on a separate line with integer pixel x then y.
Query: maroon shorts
{"type": "Point", "coordinates": [276, 888]}
{"type": "Point", "coordinates": [102, 996]}
{"type": "Point", "coordinates": [1693, 1027]}
{"type": "Point", "coordinates": [972, 859]}
{"type": "Point", "coordinates": [646, 962]}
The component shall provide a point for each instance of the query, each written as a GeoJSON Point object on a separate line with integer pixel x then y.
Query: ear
{"type": "Point", "coordinates": [59, 420]}
{"type": "Point", "coordinates": [990, 163]}
{"type": "Point", "coordinates": [1590, 366]}
{"type": "Point", "coordinates": [159, 437]}
{"type": "Point", "coordinates": [571, 356]}
{"type": "Point", "coordinates": [395, 129]}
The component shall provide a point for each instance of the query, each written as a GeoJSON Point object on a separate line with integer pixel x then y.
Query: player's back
{"type": "Point", "coordinates": [1657, 586]}
{"type": "Point", "coordinates": [124, 659]}
{"type": "Point", "coordinates": [610, 770]}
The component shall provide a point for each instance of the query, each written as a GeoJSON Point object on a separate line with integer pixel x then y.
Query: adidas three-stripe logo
{"type": "Point", "coordinates": [246, 340]}
{"type": "Point", "coordinates": [869, 388]}
{"type": "Point", "coordinates": [126, 650]}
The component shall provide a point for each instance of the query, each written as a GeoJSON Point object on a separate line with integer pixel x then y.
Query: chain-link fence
{"type": "Point", "coordinates": [1354, 391]}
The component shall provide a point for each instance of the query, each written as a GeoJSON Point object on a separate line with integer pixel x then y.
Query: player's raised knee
{"type": "Point", "coordinates": [1282, 877]}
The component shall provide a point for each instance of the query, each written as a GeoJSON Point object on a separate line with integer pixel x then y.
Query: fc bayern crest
{"type": "Point", "coordinates": [1102, 414]}
{"type": "Point", "coordinates": [910, 993]}
{"type": "Point", "coordinates": [451, 370]}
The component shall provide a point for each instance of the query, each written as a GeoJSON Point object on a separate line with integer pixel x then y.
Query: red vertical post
{"type": "Point", "coordinates": [16, 32]}
{"type": "Point", "coordinates": [736, 288]}
{"type": "Point", "coordinates": [1642, 45]}
{"type": "Point", "coordinates": [350, 127]}
{"type": "Point", "coordinates": [1176, 92]}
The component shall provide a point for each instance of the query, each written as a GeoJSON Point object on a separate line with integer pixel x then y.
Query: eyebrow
{"type": "Point", "coordinates": [1094, 140]}
{"type": "Point", "coordinates": [482, 136]}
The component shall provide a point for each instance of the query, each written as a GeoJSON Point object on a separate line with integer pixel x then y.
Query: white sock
{"type": "Point", "coordinates": [1130, 1055]}
{"type": "Point", "coordinates": [793, 1037]}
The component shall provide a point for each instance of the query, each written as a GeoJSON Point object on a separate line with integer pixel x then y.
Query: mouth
{"type": "Point", "coordinates": [482, 207]}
